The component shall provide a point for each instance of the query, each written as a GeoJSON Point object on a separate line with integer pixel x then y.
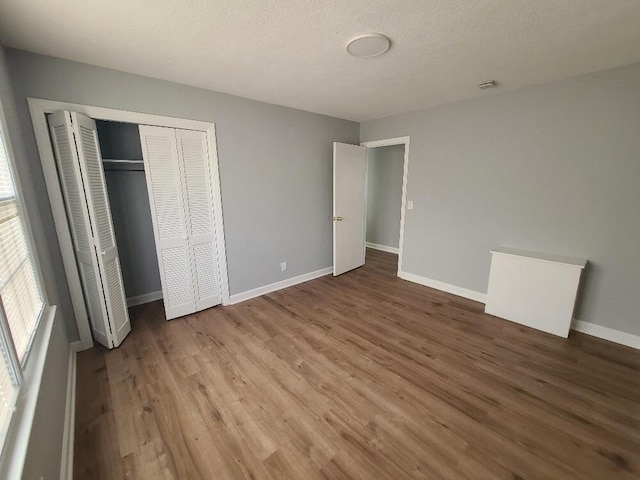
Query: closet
{"type": "Point", "coordinates": [129, 200]}
{"type": "Point", "coordinates": [152, 196]}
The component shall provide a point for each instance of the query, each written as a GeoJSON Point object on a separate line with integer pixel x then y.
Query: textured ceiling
{"type": "Point", "coordinates": [292, 52]}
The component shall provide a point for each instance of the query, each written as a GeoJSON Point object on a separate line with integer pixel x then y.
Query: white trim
{"type": "Point", "coordinates": [76, 346]}
{"type": "Point", "coordinates": [386, 142]}
{"type": "Point", "coordinates": [38, 109]}
{"type": "Point", "coordinates": [66, 461]}
{"type": "Point", "coordinates": [366, 204]}
{"type": "Point", "coordinates": [272, 287]}
{"type": "Point", "coordinates": [616, 336]}
{"type": "Point", "coordinates": [382, 248]}
{"type": "Point", "coordinates": [17, 440]}
{"type": "Point", "coordinates": [111, 114]}
{"type": "Point", "coordinates": [405, 176]}
{"type": "Point", "coordinates": [219, 219]}
{"type": "Point", "coordinates": [445, 287]}
{"type": "Point", "coordinates": [144, 298]}
{"type": "Point", "coordinates": [606, 333]}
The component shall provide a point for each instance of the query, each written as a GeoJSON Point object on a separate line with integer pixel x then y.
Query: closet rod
{"type": "Point", "coordinates": [134, 162]}
{"type": "Point", "coordinates": [124, 165]}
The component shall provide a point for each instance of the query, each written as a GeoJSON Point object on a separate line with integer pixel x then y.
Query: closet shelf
{"type": "Point", "coordinates": [113, 164]}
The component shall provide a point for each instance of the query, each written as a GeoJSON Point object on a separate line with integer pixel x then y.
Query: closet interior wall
{"type": "Point", "coordinates": [129, 201]}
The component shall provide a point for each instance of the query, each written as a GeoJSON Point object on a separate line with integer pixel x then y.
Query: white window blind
{"type": "Point", "coordinates": [21, 299]}
{"type": "Point", "coordinates": [8, 386]}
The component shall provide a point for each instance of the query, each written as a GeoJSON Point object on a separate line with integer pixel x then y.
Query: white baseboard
{"type": "Point", "coordinates": [606, 333]}
{"type": "Point", "coordinates": [616, 336]}
{"type": "Point", "coordinates": [445, 287]}
{"type": "Point", "coordinates": [66, 462]}
{"type": "Point", "coordinates": [272, 287]}
{"type": "Point", "coordinates": [592, 329]}
{"type": "Point", "coordinates": [144, 298]}
{"type": "Point", "coordinates": [383, 248]}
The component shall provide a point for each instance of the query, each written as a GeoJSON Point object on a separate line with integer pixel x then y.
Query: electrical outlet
{"type": "Point", "coordinates": [283, 266]}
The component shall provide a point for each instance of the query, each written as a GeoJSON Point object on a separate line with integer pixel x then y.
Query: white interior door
{"type": "Point", "coordinates": [349, 200]}
{"type": "Point", "coordinates": [78, 160]}
{"type": "Point", "coordinates": [180, 186]}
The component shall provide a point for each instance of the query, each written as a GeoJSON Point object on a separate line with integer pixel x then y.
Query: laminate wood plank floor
{"type": "Point", "coordinates": [362, 376]}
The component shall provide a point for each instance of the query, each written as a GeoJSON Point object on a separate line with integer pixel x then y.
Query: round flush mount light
{"type": "Point", "coordinates": [368, 45]}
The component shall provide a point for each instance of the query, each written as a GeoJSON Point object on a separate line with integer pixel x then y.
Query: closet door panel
{"type": "Point", "coordinates": [179, 295]}
{"type": "Point", "coordinates": [192, 150]}
{"type": "Point", "coordinates": [166, 198]}
{"type": "Point", "coordinates": [86, 135]}
{"type": "Point", "coordinates": [194, 157]}
{"type": "Point", "coordinates": [79, 224]}
{"type": "Point", "coordinates": [208, 291]}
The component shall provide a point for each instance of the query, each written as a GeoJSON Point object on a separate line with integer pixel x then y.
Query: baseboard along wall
{"type": "Point", "coordinates": [66, 468]}
{"type": "Point", "coordinates": [444, 287]}
{"type": "Point", "coordinates": [144, 298]}
{"type": "Point", "coordinates": [66, 461]}
{"type": "Point", "coordinates": [592, 329]}
{"type": "Point", "coordinates": [606, 333]}
{"type": "Point", "coordinates": [383, 248]}
{"type": "Point", "coordinates": [272, 287]}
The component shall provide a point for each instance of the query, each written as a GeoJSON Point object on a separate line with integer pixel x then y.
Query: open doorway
{"type": "Point", "coordinates": [126, 184]}
{"type": "Point", "coordinates": [386, 192]}
{"type": "Point", "coordinates": [353, 226]}
{"type": "Point", "coordinates": [385, 167]}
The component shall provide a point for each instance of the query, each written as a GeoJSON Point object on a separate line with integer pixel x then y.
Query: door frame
{"type": "Point", "coordinates": [39, 108]}
{"type": "Point", "coordinates": [405, 175]}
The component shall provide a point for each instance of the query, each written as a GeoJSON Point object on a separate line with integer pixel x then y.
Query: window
{"type": "Point", "coordinates": [21, 298]}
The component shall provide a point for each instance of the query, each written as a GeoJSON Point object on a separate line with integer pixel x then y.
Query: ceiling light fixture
{"type": "Point", "coordinates": [368, 45]}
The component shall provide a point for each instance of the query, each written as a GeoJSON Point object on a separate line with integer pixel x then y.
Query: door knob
{"type": "Point", "coordinates": [337, 219]}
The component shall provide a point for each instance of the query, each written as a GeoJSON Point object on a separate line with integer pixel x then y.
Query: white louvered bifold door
{"type": "Point", "coordinates": [181, 196]}
{"type": "Point", "coordinates": [168, 213]}
{"type": "Point", "coordinates": [86, 135]}
{"type": "Point", "coordinates": [194, 158]}
{"type": "Point", "coordinates": [80, 226]}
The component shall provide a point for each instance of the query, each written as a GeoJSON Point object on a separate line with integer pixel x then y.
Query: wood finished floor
{"type": "Point", "coordinates": [361, 376]}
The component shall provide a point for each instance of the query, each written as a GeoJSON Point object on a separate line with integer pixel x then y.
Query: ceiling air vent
{"type": "Point", "coordinates": [489, 84]}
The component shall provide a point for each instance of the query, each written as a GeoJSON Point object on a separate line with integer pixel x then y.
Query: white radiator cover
{"type": "Point", "coordinates": [534, 289]}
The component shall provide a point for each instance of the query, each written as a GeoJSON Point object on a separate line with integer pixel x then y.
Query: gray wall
{"type": "Point", "coordinates": [275, 162]}
{"type": "Point", "coordinates": [129, 202]}
{"type": "Point", "coordinates": [45, 442]}
{"type": "Point", "coordinates": [384, 194]}
{"type": "Point", "coordinates": [44, 452]}
{"type": "Point", "coordinates": [119, 141]}
{"type": "Point", "coordinates": [553, 168]}
{"type": "Point", "coordinates": [32, 182]}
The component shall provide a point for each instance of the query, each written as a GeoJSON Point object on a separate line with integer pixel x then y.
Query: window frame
{"type": "Point", "coordinates": [21, 371]}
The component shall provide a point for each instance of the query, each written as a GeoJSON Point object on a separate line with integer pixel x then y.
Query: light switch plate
{"type": "Point", "coordinates": [410, 205]}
